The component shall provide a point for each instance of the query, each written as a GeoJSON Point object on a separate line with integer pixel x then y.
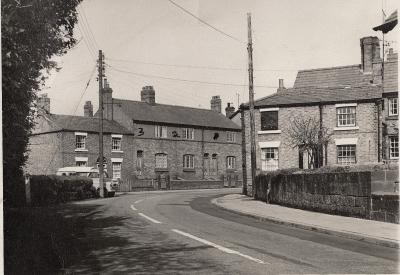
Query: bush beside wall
{"type": "Point", "coordinates": [52, 189]}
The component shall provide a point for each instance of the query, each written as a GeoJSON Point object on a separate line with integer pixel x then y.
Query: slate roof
{"type": "Point", "coordinates": [57, 122]}
{"type": "Point", "coordinates": [312, 96]}
{"type": "Point", "coordinates": [171, 114]}
{"type": "Point", "coordinates": [332, 77]}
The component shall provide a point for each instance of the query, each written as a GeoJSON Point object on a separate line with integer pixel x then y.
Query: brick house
{"type": "Point", "coordinates": [142, 139]}
{"type": "Point", "coordinates": [349, 101]}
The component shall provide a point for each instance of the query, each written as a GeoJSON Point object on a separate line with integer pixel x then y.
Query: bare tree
{"type": "Point", "coordinates": [309, 136]}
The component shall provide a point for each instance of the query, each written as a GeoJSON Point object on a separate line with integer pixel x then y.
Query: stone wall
{"type": "Point", "coordinates": [385, 208]}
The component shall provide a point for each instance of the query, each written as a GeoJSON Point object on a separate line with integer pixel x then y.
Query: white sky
{"type": "Point", "coordinates": [288, 35]}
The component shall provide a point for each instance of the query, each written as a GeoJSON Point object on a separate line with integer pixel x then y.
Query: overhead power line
{"type": "Point", "coordinates": [205, 23]}
{"type": "Point", "coordinates": [184, 80]}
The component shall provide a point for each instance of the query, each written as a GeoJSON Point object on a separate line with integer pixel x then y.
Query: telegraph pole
{"type": "Point", "coordinates": [101, 153]}
{"type": "Point", "coordinates": [251, 106]}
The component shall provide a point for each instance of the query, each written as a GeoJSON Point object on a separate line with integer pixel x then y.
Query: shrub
{"type": "Point", "coordinates": [52, 189]}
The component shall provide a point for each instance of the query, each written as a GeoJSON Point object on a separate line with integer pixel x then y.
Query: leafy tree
{"type": "Point", "coordinates": [32, 31]}
{"type": "Point", "coordinates": [307, 135]}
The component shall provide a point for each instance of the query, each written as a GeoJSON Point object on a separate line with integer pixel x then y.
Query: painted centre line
{"type": "Point", "coordinates": [139, 201]}
{"type": "Point", "coordinates": [219, 247]}
{"type": "Point", "coordinates": [150, 219]}
{"type": "Point", "coordinates": [133, 208]}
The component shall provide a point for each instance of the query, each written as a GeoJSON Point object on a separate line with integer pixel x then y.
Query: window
{"type": "Point", "coordinates": [346, 116]}
{"type": "Point", "coordinates": [393, 107]}
{"type": "Point", "coordinates": [139, 162]}
{"type": "Point", "coordinates": [116, 142]}
{"type": "Point", "coordinates": [346, 154]}
{"type": "Point", "coordinates": [188, 161]}
{"type": "Point", "coordinates": [188, 133]}
{"type": "Point", "coordinates": [214, 165]}
{"type": "Point", "coordinates": [269, 120]}
{"type": "Point", "coordinates": [230, 162]}
{"type": "Point", "coordinates": [80, 141]}
{"type": "Point", "coordinates": [116, 170]}
{"type": "Point", "coordinates": [394, 147]}
{"type": "Point", "coordinates": [269, 159]}
{"type": "Point", "coordinates": [230, 136]}
{"type": "Point", "coordinates": [80, 163]}
{"type": "Point", "coordinates": [161, 161]}
{"type": "Point", "coordinates": [161, 131]}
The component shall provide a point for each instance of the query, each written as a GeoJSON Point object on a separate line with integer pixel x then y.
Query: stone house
{"type": "Point", "coordinates": [348, 101]}
{"type": "Point", "coordinates": [142, 140]}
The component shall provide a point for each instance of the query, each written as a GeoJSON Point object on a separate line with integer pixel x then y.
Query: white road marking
{"type": "Point", "coordinates": [150, 219]}
{"type": "Point", "coordinates": [224, 249]}
{"type": "Point", "coordinates": [133, 208]}
{"type": "Point", "coordinates": [139, 201]}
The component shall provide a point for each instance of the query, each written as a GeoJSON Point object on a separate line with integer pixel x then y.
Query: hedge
{"type": "Point", "coordinates": [52, 189]}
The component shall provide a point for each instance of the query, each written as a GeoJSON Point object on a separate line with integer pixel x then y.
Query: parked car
{"type": "Point", "coordinates": [111, 185]}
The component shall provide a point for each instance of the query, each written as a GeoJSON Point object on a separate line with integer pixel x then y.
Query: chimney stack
{"type": "Point", "coordinates": [88, 109]}
{"type": "Point", "coordinates": [107, 100]}
{"type": "Point", "coordinates": [281, 87]}
{"type": "Point", "coordinates": [229, 110]}
{"type": "Point", "coordinates": [370, 52]}
{"type": "Point", "coordinates": [43, 104]}
{"type": "Point", "coordinates": [216, 103]}
{"type": "Point", "coordinates": [148, 95]}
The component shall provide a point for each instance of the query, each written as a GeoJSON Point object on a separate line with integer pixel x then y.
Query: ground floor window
{"type": "Point", "coordinates": [116, 170]}
{"type": "Point", "coordinates": [81, 163]}
{"type": "Point", "coordinates": [269, 159]}
{"type": "Point", "coordinates": [346, 154]}
{"type": "Point", "coordinates": [230, 162]}
{"type": "Point", "coordinates": [188, 161]}
{"type": "Point", "coordinates": [161, 161]}
{"type": "Point", "coordinates": [394, 147]}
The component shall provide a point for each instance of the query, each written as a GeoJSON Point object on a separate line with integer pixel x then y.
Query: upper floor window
{"type": "Point", "coordinates": [161, 131]}
{"type": "Point", "coordinates": [346, 154]}
{"type": "Point", "coordinates": [230, 162]}
{"type": "Point", "coordinates": [161, 161]}
{"type": "Point", "coordinates": [80, 141]}
{"type": "Point", "coordinates": [269, 159]}
{"type": "Point", "coordinates": [393, 106]}
{"type": "Point", "coordinates": [188, 133]}
{"type": "Point", "coordinates": [269, 119]}
{"type": "Point", "coordinates": [116, 142]}
{"type": "Point", "coordinates": [346, 116]}
{"type": "Point", "coordinates": [231, 136]}
{"type": "Point", "coordinates": [188, 161]}
{"type": "Point", "coordinates": [394, 147]}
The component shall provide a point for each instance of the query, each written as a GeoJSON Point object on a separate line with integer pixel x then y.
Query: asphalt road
{"type": "Point", "coordinates": [183, 233]}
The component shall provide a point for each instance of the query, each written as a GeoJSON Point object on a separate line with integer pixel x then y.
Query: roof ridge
{"type": "Point", "coordinates": [329, 68]}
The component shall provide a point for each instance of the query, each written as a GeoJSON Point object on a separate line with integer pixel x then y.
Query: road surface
{"type": "Point", "coordinates": [183, 233]}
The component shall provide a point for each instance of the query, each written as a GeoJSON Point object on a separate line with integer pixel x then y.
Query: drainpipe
{"type": "Point", "coordinates": [202, 152]}
{"type": "Point", "coordinates": [378, 105]}
{"type": "Point", "coordinates": [244, 166]}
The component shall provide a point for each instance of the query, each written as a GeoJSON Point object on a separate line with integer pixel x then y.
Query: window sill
{"type": "Point", "coordinates": [394, 158]}
{"type": "Point", "coordinates": [161, 169]}
{"type": "Point", "coordinates": [188, 170]}
{"type": "Point", "coordinates": [392, 117]}
{"type": "Point", "coordinates": [81, 150]}
{"type": "Point", "coordinates": [270, 132]}
{"type": "Point", "coordinates": [344, 128]}
{"type": "Point", "coordinates": [117, 151]}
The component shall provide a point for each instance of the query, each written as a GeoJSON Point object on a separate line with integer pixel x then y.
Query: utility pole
{"type": "Point", "coordinates": [101, 153]}
{"type": "Point", "coordinates": [251, 107]}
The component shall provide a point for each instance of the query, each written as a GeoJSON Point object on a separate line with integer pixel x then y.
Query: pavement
{"type": "Point", "coordinates": [380, 233]}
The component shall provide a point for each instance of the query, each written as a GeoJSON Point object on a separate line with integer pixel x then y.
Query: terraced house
{"type": "Point", "coordinates": [143, 140]}
{"type": "Point", "coordinates": [360, 114]}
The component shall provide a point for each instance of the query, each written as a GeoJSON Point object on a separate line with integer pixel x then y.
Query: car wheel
{"type": "Point", "coordinates": [111, 194]}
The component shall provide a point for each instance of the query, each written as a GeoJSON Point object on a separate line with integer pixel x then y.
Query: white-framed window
{"type": "Point", "coordinates": [230, 136]}
{"type": "Point", "coordinates": [393, 106]}
{"type": "Point", "coordinates": [116, 170]}
{"type": "Point", "coordinates": [269, 159]}
{"type": "Point", "coordinates": [269, 119]}
{"type": "Point", "coordinates": [116, 141]}
{"type": "Point", "coordinates": [394, 147]}
{"type": "Point", "coordinates": [139, 162]}
{"type": "Point", "coordinates": [188, 161]}
{"type": "Point", "coordinates": [346, 154]}
{"type": "Point", "coordinates": [161, 131]}
{"type": "Point", "coordinates": [346, 116]}
{"type": "Point", "coordinates": [188, 133]}
{"type": "Point", "coordinates": [80, 141]}
{"type": "Point", "coordinates": [230, 162]}
{"type": "Point", "coordinates": [161, 161]}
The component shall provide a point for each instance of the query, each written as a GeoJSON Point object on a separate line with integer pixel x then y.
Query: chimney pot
{"type": "Point", "coordinates": [148, 95]}
{"type": "Point", "coordinates": [229, 110]}
{"type": "Point", "coordinates": [216, 103]}
{"type": "Point", "coordinates": [88, 109]}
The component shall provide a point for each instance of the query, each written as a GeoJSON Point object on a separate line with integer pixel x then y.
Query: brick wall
{"type": "Point", "coordinates": [367, 143]}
